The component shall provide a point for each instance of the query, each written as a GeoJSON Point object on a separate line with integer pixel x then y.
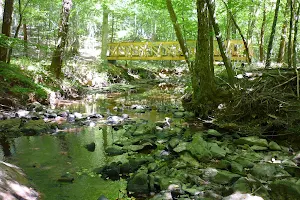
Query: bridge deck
{"type": "Point", "coordinates": [168, 50]}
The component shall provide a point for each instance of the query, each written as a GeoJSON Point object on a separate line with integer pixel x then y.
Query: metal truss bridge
{"type": "Point", "coordinates": [169, 50]}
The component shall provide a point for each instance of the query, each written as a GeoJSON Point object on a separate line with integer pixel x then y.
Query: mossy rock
{"type": "Point", "coordinates": [36, 127]}
{"type": "Point", "coordinates": [10, 127]}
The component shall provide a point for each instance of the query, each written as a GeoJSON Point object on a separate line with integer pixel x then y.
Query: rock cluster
{"type": "Point", "coordinates": [171, 162]}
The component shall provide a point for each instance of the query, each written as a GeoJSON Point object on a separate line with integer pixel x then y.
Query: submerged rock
{"type": "Point", "coordinates": [111, 171]}
{"type": "Point", "coordinates": [102, 197]}
{"type": "Point", "coordinates": [90, 147]}
{"type": "Point", "coordinates": [67, 178]}
{"type": "Point", "coordinates": [114, 150]}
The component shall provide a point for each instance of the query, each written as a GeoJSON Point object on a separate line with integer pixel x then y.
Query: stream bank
{"type": "Point", "coordinates": [117, 148]}
{"type": "Point", "coordinates": [140, 143]}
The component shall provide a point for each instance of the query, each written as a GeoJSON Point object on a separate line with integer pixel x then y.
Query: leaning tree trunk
{"type": "Point", "coordinates": [178, 32]}
{"type": "Point", "coordinates": [6, 27]}
{"type": "Point", "coordinates": [283, 36]}
{"type": "Point", "coordinates": [57, 58]}
{"type": "Point", "coordinates": [226, 60]}
{"type": "Point", "coordinates": [240, 32]}
{"type": "Point", "coordinates": [262, 34]}
{"type": "Point", "coordinates": [104, 34]}
{"type": "Point", "coordinates": [270, 45]}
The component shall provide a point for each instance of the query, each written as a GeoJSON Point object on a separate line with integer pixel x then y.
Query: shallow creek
{"type": "Point", "coordinates": [47, 157]}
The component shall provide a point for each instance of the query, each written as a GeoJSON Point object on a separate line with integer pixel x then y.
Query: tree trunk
{"type": "Point", "coordinates": [229, 25]}
{"type": "Point", "coordinates": [25, 33]}
{"type": "Point", "coordinates": [224, 54]}
{"type": "Point", "coordinates": [18, 27]}
{"type": "Point", "coordinates": [283, 36]}
{"type": "Point", "coordinates": [290, 33]}
{"type": "Point", "coordinates": [262, 34]}
{"type": "Point", "coordinates": [57, 57]}
{"type": "Point", "coordinates": [270, 46]}
{"type": "Point", "coordinates": [112, 28]}
{"type": "Point", "coordinates": [295, 38]}
{"type": "Point", "coordinates": [202, 79]}
{"type": "Point", "coordinates": [240, 32]}
{"type": "Point", "coordinates": [6, 26]}
{"type": "Point", "coordinates": [104, 34]}
{"type": "Point", "coordinates": [178, 32]}
{"type": "Point", "coordinates": [253, 13]}
{"type": "Point", "coordinates": [211, 53]}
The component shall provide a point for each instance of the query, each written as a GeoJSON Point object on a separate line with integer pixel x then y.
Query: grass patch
{"type": "Point", "coordinates": [17, 82]}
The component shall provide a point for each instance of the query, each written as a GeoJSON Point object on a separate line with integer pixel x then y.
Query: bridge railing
{"type": "Point", "coordinates": [168, 50]}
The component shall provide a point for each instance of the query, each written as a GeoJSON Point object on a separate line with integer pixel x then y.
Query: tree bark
{"type": "Point", "coordinates": [104, 34]}
{"type": "Point", "coordinates": [229, 25]}
{"type": "Point", "coordinates": [262, 34]}
{"type": "Point", "coordinates": [295, 38]}
{"type": "Point", "coordinates": [202, 79]}
{"type": "Point", "coordinates": [224, 54]}
{"type": "Point", "coordinates": [270, 45]}
{"type": "Point", "coordinates": [211, 53]}
{"type": "Point", "coordinates": [25, 33]}
{"type": "Point", "coordinates": [253, 13]}
{"type": "Point", "coordinates": [18, 27]}
{"type": "Point", "coordinates": [178, 32]}
{"type": "Point", "coordinates": [283, 36]}
{"type": "Point", "coordinates": [112, 28]}
{"type": "Point", "coordinates": [57, 58]}
{"type": "Point", "coordinates": [6, 26]}
{"type": "Point", "coordinates": [290, 33]}
{"type": "Point", "coordinates": [240, 32]}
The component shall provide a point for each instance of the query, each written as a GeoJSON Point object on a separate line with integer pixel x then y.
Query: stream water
{"type": "Point", "coordinates": [46, 158]}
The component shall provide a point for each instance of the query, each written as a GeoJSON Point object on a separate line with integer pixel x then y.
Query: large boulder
{"type": "Point", "coordinates": [198, 148]}
{"type": "Point", "coordinates": [139, 184]}
{"type": "Point", "coordinates": [13, 184]}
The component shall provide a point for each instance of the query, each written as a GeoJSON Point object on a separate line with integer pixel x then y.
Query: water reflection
{"type": "Point", "coordinates": [46, 158]}
{"type": "Point", "coordinates": [6, 146]}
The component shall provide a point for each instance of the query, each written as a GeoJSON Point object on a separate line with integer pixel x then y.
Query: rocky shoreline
{"type": "Point", "coordinates": [170, 160]}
